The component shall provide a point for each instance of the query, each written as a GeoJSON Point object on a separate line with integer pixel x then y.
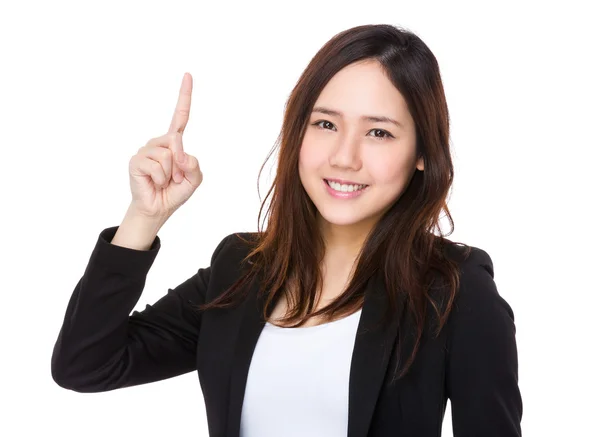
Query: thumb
{"type": "Point", "coordinates": [190, 167]}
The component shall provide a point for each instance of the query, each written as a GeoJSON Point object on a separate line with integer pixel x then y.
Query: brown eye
{"type": "Point", "coordinates": [324, 124]}
{"type": "Point", "coordinates": [381, 134]}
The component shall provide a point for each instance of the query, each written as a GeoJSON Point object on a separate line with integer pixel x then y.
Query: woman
{"type": "Point", "coordinates": [347, 315]}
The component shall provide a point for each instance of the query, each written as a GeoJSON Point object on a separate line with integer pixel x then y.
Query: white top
{"type": "Point", "coordinates": [298, 381]}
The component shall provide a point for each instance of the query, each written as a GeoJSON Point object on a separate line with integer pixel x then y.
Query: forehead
{"type": "Point", "coordinates": [363, 88]}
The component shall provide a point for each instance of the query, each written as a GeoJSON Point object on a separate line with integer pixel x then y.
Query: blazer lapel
{"type": "Point", "coordinates": [250, 328]}
{"type": "Point", "coordinates": [372, 350]}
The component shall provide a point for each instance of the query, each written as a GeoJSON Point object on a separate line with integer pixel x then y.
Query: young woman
{"type": "Point", "coordinates": [348, 315]}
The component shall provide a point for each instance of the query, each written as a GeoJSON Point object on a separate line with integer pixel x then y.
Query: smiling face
{"type": "Point", "coordinates": [361, 132]}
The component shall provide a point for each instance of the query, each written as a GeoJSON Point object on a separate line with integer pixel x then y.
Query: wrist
{"type": "Point", "coordinates": [137, 231]}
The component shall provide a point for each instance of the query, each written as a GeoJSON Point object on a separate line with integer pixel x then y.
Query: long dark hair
{"type": "Point", "coordinates": [403, 245]}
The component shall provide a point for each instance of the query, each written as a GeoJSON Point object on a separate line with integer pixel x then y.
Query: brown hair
{"type": "Point", "coordinates": [402, 245]}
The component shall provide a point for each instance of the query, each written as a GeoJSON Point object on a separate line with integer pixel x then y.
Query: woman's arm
{"type": "Point", "coordinates": [482, 368]}
{"type": "Point", "coordinates": [102, 347]}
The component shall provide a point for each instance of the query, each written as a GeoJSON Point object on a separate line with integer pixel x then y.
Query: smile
{"type": "Point", "coordinates": [344, 191]}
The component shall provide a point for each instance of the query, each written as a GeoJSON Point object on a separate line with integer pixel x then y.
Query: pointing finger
{"type": "Point", "coordinates": [182, 109]}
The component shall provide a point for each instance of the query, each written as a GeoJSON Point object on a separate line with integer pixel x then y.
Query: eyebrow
{"type": "Point", "coordinates": [373, 118]}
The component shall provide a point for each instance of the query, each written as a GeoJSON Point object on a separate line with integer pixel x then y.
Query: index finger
{"type": "Point", "coordinates": [182, 109]}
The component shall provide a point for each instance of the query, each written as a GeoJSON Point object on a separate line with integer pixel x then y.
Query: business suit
{"type": "Point", "coordinates": [473, 361]}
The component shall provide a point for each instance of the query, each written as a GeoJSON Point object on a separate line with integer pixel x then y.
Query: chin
{"type": "Point", "coordinates": [344, 218]}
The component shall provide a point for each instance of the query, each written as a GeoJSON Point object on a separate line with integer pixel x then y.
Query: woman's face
{"type": "Point", "coordinates": [361, 132]}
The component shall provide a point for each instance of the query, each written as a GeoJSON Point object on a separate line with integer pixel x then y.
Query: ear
{"type": "Point", "coordinates": [420, 164]}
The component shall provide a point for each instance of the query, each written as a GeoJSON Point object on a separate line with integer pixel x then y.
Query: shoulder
{"type": "Point", "coordinates": [477, 288]}
{"type": "Point", "coordinates": [234, 246]}
{"type": "Point", "coordinates": [229, 262]}
{"type": "Point", "coordinates": [479, 311]}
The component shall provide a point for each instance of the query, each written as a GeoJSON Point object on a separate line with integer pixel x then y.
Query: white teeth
{"type": "Point", "coordinates": [345, 188]}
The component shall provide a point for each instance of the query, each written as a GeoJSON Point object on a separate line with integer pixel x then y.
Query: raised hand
{"type": "Point", "coordinates": [161, 175]}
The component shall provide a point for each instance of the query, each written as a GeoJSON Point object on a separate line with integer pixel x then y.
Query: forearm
{"type": "Point", "coordinates": [95, 327]}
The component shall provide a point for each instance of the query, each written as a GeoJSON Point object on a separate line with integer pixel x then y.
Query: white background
{"type": "Point", "coordinates": [84, 85]}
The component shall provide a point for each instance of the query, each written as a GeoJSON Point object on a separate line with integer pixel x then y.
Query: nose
{"type": "Point", "coordinates": [345, 153]}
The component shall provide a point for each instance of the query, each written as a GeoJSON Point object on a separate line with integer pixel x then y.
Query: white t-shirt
{"type": "Point", "coordinates": [298, 381]}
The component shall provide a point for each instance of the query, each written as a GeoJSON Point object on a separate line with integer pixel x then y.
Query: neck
{"type": "Point", "coordinates": [343, 243]}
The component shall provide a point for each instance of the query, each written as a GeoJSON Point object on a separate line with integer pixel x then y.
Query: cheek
{"type": "Point", "coordinates": [391, 170]}
{"type": "Point", "coordinates": [311, 155]}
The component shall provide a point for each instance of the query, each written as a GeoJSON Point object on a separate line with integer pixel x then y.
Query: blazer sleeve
{"type": "Point", "coordinates": [103, 346]}
{"type": "Point", "coordinates": [482, 367]}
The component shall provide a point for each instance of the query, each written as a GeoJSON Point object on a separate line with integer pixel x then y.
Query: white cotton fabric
{"type": "Point", "coordinates": [298, 381]}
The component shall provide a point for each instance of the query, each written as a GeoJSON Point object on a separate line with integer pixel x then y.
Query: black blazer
{"type": "Point", "coordinates": [103, 346]}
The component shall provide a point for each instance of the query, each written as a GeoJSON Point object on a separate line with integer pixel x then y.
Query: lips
{"type": "Point", "coordinates": [350, 194]}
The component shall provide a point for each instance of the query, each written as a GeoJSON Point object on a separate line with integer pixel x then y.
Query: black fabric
{"type": "Point", "coordinates": [103, 345]}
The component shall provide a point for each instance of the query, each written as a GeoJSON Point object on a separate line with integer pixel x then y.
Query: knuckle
{"type": "Point", "coordinates": [133, 160]}
{"type": "Point", "coordinates": [156, 167]}
{"type": "Point", "coordinates": [152, 141]}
